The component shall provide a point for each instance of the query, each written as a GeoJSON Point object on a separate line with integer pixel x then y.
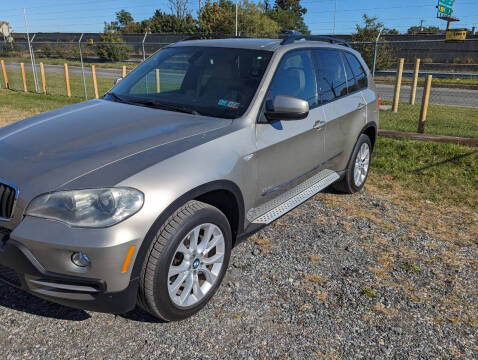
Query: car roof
{"type": "Point", "coordinates": [238, 43]}
{"type": "Point", "coordinates": [255, 44]}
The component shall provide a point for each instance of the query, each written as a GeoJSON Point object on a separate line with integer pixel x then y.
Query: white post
{"type": "Point", "coordinates": [375, 53]}
{"type": "Point", "coordinates": [142, 44]}
{"type": "Point", "coordinates": [82, 67]}
{"type": "Point", "coordinates": [30, 49]}
{"type": "Point", "coordinates": [236, 18]}
{"type": "Point", "coordinates": [37, 86]}
{"type": "Point", "coordinates": [335, 14]}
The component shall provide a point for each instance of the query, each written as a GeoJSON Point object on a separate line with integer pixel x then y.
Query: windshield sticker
{"type": "Point", "coordinates": [228, 104]}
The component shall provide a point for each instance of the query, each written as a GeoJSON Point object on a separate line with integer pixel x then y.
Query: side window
{"type": "Point", "coordinates": [331, 80]}
{"type": "Point", "coordinates": [358, 71]}
{"type": "Point", "coordinates": [351, 81]}
{"type": "Point", "coordinates": [295, 77]}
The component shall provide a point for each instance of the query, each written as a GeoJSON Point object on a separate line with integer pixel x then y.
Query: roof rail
{"type": "Point", "coordinates": [203, 36]}
{"type": "Point", "coordinates": [292, 36]}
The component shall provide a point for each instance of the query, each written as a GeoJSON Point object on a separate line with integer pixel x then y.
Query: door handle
{"type": "Point", "coordinates": [361, 106]}
{"type": "Point", "coordinates": [318, 124]}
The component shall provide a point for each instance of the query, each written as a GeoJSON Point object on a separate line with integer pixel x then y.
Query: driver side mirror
{"type": "Point", "coordinates": [284, 107]}
{"type": "Point", "coordinates": [117, 80]}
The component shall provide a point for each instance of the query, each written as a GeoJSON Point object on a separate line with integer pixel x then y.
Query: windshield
{"type": "Point", "coordinates": [208, 81]}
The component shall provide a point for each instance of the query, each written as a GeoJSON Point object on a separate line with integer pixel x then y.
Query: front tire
{"type": "Point", "coordinates": [359, 166]}
{"type": "Point", "coordinates": [186, 262]}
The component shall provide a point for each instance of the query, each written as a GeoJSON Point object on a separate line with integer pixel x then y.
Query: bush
{"type": "Point", "coordinates": [112, 48]}
{"type": "Point", "coordinates": [10, 49]}
{"type": "Point", "coordinates": [463, 60]}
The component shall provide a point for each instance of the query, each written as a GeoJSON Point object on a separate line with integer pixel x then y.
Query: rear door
{"type": "Point", "coordinates": [341, 99]}
{"type": "Point", "coordinates": [289, 152]}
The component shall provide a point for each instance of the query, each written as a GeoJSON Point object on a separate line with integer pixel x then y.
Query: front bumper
{"type": "Point", "coordinates": [20, 268]}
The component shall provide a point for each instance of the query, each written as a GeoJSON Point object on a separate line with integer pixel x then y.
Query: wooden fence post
{"type": "Point", "coordinates": [24, 77]}
{"type": "Point", "coordinates": [413, 93]}
{"type": "Point", "coordinates": [398, 85]}
{"type": "Point", "coordinates": [5, 76]}
{"type": "Point", "coordinates": [67, 81]}
{"type": "Point", "coordinates": [95, 82]}
{"type": "Point", "coordinates": [158, 82]}
{"type": "Point", "coordinates": [124, 71]}
{"type": "Point", "coordinates": [43, 78]}
{"type": "Point", "coordinates": [425, 102]}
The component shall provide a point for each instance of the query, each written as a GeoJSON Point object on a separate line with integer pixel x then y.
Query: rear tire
{"type": "Point", "coordinates": [186, 262]}
{"type": "Point", "coordinates": [359, 166]}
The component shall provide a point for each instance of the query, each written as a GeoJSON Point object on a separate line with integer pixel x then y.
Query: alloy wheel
{"type": "Point", "coordinates": [196, 265]}
{"type": "Point", "coordinates": [362, 163]}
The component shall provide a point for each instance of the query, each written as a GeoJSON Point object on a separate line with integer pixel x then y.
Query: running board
{"type": "Point", "coordinates": [274, 209]}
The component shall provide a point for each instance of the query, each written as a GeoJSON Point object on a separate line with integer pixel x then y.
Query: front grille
{"type": "Point", "coordinates": [9, 276]}
{"type": "Point", "coordinates": [7, 199]}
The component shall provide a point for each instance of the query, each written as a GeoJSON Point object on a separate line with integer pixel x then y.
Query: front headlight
{"type": "Point", "coordinates": [95, 208]}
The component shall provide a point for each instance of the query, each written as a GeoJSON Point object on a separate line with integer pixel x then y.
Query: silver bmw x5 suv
{"type": "Point", "coordinates": [139, 197]}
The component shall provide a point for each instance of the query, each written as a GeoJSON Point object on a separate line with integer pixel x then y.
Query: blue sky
{"type": "Point", "coordinates": [89, 15]}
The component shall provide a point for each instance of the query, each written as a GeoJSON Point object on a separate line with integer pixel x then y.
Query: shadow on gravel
{"type": "Point", "coordinates": [22, 301]}
{"type": "Point", "coordinates": [140, 315]}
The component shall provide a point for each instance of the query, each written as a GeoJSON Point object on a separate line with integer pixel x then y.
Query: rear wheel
{"type": "Point", "coordinates": [358, 169]}
{"type": "Point", "coordinates": [186, 262]}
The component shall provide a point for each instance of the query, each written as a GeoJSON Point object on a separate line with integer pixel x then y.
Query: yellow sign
{"type": "Point", "coordinates": [456, 35]}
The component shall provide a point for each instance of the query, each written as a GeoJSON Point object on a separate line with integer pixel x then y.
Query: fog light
{"type": "Point", "coordinates": [80, 259]}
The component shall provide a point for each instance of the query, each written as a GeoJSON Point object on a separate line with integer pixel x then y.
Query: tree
{"type": "Point", "coordinates": [368, 33]}
{"type": "Point", "coordinates": [253, 20]}
{"type": "Point", "coordinates": [289, 14]}
{"type": "Point", "coordinates": [217, 17]}
{"type": "Point", "coordinates": [220, 17]}
{"type": "Point", "coordinates": [162, 22]}
{"type": "Point", "coordinates": [124, 23]}
{"type": "Point", "coordinates": [179, 8]}
{"type": "Point", "coordinates": [423, 29]}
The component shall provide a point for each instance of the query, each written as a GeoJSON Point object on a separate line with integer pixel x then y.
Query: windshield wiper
{"type": "Point", "coordinates": [119, 98]}
{"type": "Point", "coordinates": [155, 104]}
{"type": "Point", "coordinates": [166, 106]}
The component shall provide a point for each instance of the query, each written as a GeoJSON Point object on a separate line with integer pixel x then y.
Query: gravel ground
{"type": "Point", "coordinates": [339, 277]}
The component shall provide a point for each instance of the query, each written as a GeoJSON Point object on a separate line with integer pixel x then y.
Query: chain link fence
{"type": "Point", "coordinates": [454, 66]}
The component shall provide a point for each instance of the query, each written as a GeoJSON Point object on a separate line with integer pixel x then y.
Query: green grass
{"type": "Point", "coordinates": [369, 293]}
{"type": "Point", "coordinates": [56, 84]}
{"type": "Point", "coordinates": [440, 172]}
{"type": "Point", "coordinates": [441, 120]}
{"type": "Point", "coordinates": [30, 102]}
{"type": "Point", "coordinates": [55, 61]}
{"type": "Point", "coordinates": [421, 81]}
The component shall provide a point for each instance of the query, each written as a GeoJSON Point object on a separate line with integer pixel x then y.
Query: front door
{"type": "Point", "coordinates": [289, 152]}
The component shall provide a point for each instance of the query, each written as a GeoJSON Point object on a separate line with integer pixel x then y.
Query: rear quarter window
{"type": "Point", "coordinates": [358, 71]}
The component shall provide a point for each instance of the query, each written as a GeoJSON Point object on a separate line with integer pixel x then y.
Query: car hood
{"type": "Point", "coordinates": [47, 151]}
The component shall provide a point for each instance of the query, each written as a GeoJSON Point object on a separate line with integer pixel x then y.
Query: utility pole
{"type": "Point", "coordinates": [236, 19]}
{"type": "Point", "coordinates": [335, 14]}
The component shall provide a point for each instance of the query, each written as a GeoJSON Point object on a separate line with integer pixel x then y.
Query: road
{"type": "Point", "coordinates": [440, 96]}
